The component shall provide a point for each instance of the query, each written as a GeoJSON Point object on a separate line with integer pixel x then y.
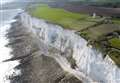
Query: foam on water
{"type": "Point", "coordinates": [6, 69]}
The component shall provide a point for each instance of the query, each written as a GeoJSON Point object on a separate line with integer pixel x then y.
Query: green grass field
{"type": "Point", "coordinates": [116, 21]}
{"type": "Point", "coordinates": [62, 17]}
{"type": "Point", "coordinates": [115, 42]}
{"type": "Point", "coordinates": [98, 31]}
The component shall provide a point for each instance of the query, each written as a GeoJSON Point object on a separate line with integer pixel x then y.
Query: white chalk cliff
{"type": "Point", "coordinates": [60, 44]}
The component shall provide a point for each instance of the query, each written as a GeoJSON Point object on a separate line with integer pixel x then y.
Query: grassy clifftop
{"type": "Point", "coordinates": [62, 17]}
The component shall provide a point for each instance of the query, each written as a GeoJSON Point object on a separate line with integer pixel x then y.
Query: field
{"type": "Point", "coordinates": [115, 42]}
{"type": "Point", "coordinates": [116, 21]}
{"type": "Point", "coordinates": [62, 17]}
{"type": "Point", "coordinates": [96, 32]}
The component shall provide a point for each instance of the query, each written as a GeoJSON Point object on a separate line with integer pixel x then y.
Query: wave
{"type": "Point", "coordinates": [6, 69]}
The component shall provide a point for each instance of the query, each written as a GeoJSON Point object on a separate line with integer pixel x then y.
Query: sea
{"type": "Point", "coordinates": [8, 10]}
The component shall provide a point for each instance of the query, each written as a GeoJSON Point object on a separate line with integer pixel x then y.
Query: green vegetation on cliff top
{"type": "Point", "coordinates": [115, 42]}
{"type": "Point", "coordinates": [62, 17]}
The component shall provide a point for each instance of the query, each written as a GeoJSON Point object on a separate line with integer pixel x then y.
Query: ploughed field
{"type": "Point", "coordinates": [102, 30]}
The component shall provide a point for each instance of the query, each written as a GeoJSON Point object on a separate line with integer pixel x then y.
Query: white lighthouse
{"type": "Point", "coordinates": [94, 15]}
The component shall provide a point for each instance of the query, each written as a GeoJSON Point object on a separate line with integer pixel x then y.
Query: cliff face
{"type": "Point", "coordinates": [56, 55]}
